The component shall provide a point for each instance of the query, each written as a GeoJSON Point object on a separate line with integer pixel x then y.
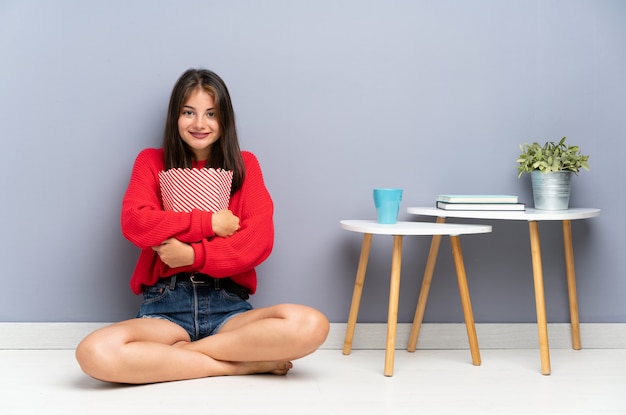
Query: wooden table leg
{"type": "Point", "coordinates": [465, 298]}
{"type": "Point", "coordinates": [542, 325]}
{"type": "Point", "coordinates": [423, 296]}
{"type": "Point", "coordinates": [358, 290]}
{"type": "Point", "coordinates": [571, 284]}
{"type": "Point", "coordinates": [394, 293]}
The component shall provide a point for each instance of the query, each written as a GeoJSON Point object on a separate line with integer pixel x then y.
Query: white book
{"type": "Point", "coordinates": [481, 206]}
{"type": "Point", "coordinates": [478, 198]}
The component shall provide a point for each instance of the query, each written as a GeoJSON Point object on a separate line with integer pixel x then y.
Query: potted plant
{"type": "Point", "coordinates": [551, 166]}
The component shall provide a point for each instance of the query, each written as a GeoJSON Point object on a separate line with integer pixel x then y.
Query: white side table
{"type": "Point", "coordinates": [533, 217]}
{"type": "Point", "coordinates": [368, 228]}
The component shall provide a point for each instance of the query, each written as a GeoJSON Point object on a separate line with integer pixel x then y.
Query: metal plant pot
{"type": "Point", "coordinates": [551, 190]}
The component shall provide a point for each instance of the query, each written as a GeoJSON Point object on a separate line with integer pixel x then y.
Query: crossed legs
{"type": "Point", "coordinates": [148, 350]}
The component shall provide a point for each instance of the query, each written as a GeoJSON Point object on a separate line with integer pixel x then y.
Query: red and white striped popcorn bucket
{"type": "Point", "coordinates": [183, 190]}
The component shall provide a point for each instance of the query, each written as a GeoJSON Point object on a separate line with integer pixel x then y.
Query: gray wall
{"type": "Point", "coordinates": [335, 98]}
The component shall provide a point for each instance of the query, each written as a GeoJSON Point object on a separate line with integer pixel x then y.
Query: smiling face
{"type": "Point", "coordinates": [198, 125]}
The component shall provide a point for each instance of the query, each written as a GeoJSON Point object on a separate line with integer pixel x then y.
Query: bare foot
{"type": "Point", "coordinates": [274, 368]}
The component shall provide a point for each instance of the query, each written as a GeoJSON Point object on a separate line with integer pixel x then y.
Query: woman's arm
{"type": "Point", "coordinates": [143, 220]}
{"type": "Point", "coordinates": [253, 242]}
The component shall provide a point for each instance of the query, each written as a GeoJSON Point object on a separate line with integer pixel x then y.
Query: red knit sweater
{"type": "Point", "coordinates": [146, 224]}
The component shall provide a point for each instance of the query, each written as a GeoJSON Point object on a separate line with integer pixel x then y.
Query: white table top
{"type": "Point", "coordinates": [528, 214]}
{"type": "Point", "coordinates": [412, 228]}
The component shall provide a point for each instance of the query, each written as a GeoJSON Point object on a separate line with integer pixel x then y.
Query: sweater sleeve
{"type": "Point", "coordinates": [143, 220]}
{"type": "Point", "coordinates": [253, 243]}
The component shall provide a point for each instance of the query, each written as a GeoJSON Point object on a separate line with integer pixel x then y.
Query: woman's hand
{"type": "Point", "coordinates": [225, 224]}
{"type": "Point", "coordinates": [175, 253]}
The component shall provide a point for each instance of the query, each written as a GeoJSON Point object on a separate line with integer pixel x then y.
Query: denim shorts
{"type": "Point", "coordinates": [200, 309]}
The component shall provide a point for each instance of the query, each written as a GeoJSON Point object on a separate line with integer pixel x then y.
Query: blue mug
{"type": "Point", "coordinates": [387, 203]}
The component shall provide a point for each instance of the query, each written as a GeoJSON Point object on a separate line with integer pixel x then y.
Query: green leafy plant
{"type": "Point", "coordinates": [552, 156]}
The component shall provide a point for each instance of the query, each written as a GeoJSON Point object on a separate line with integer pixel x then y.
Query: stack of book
{"type": "Point", "coordinates": [479, 202]}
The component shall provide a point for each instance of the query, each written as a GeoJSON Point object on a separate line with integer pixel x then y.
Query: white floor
{"type": "Point", "coordinates": [589, 381]}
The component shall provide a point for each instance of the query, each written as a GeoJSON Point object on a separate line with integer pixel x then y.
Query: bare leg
{"type": "Point", "coordinates": [142, 351]}
{"type": "Point", "coordinates": [278, 333]}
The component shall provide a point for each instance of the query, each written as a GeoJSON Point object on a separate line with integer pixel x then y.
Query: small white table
{"type": "Point", "coordinates": [533, 217]}
{"type": "Point", "coordinates": [368, 228]}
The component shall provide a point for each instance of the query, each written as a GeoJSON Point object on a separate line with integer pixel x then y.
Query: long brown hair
{"type": "Point", "coordinates": [225, 152]}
